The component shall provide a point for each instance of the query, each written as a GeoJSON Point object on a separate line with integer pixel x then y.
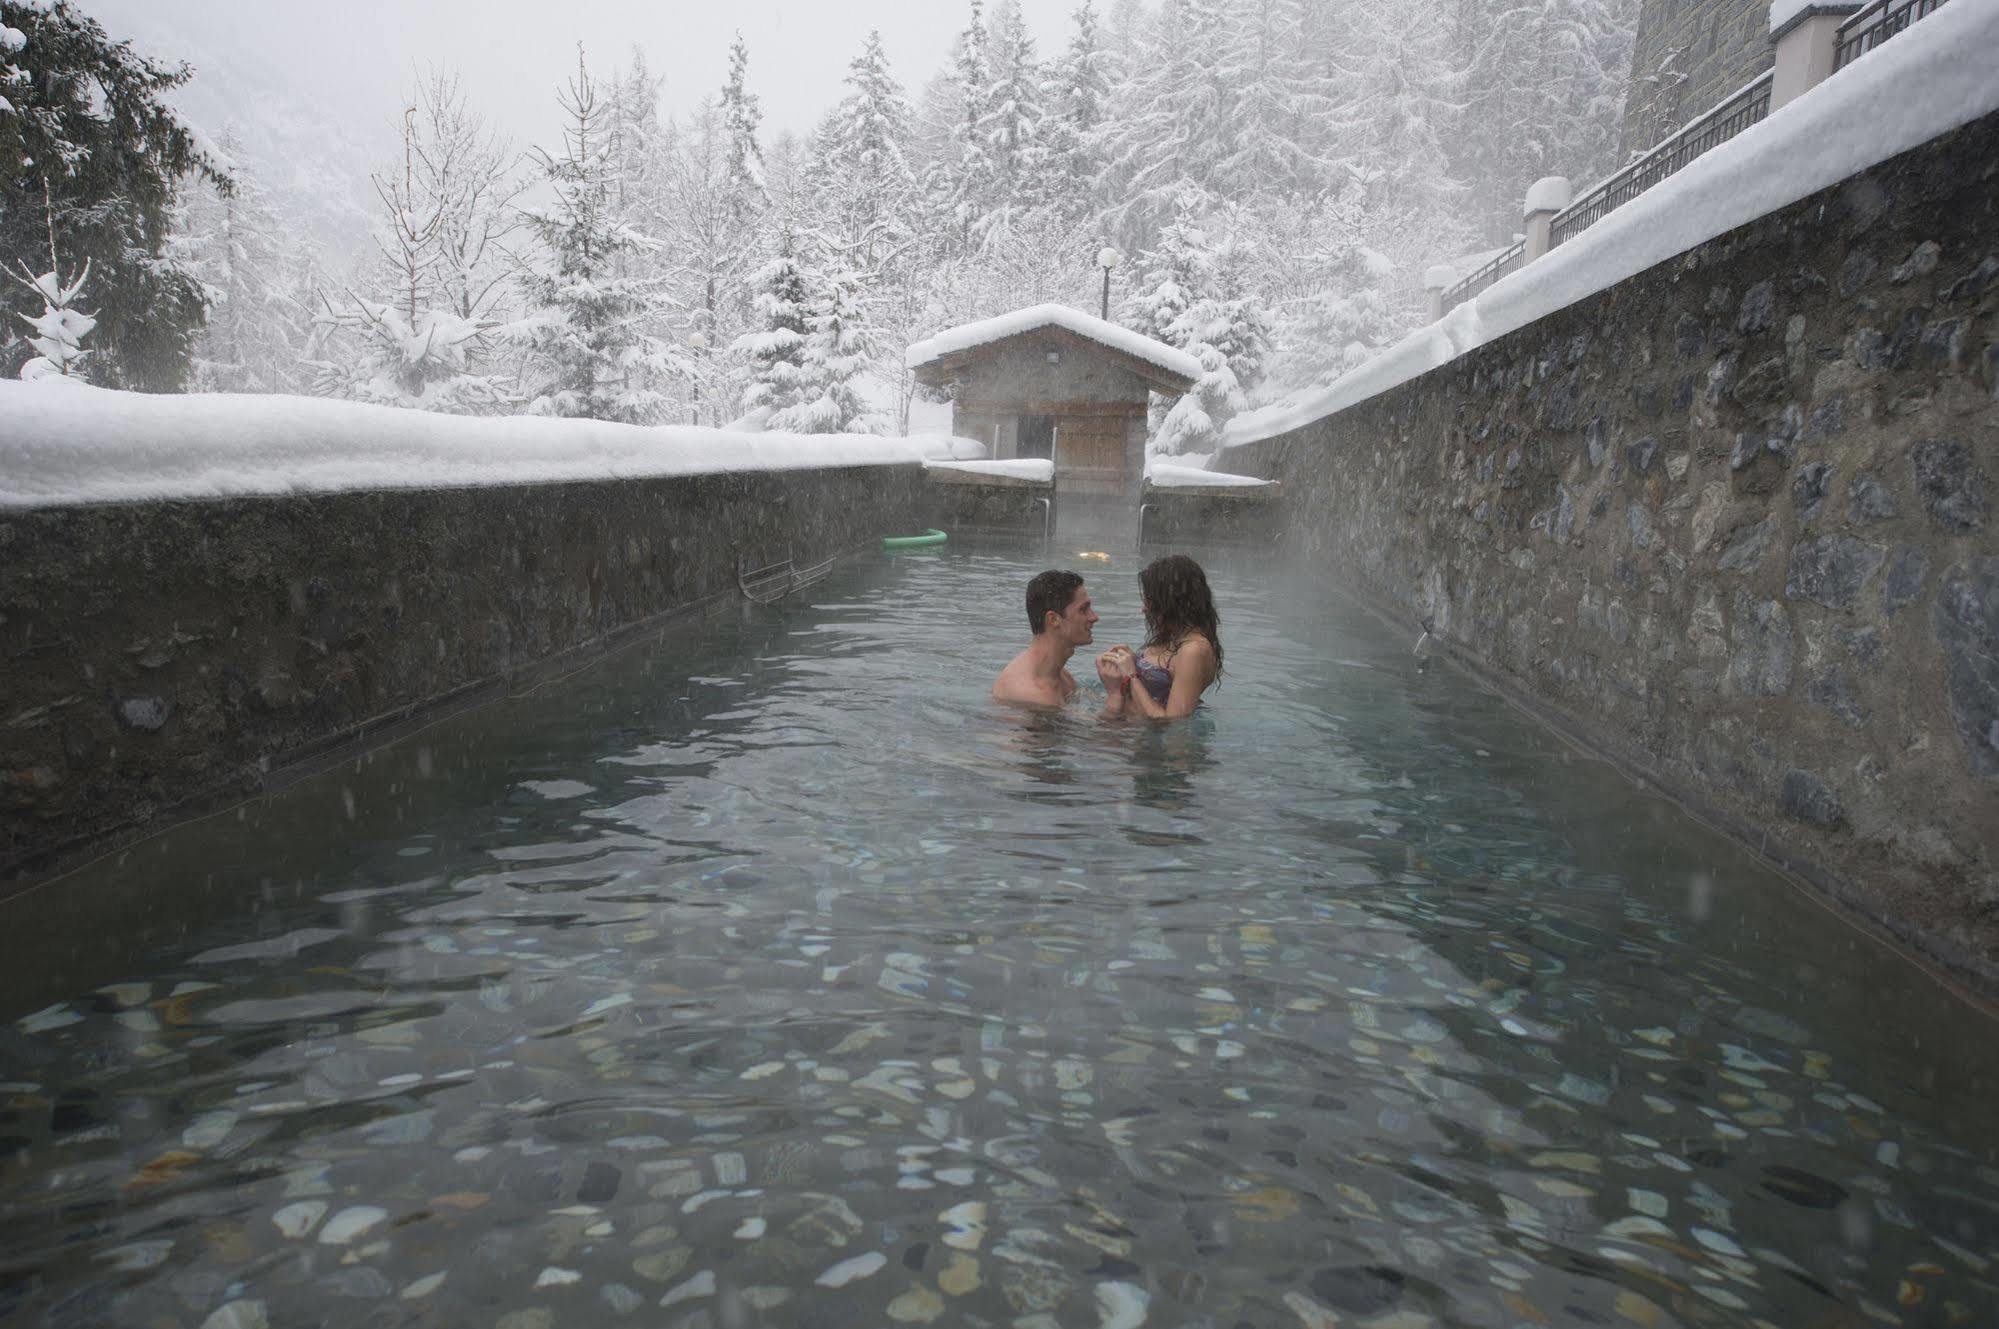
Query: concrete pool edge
{"type": "Point", "coordinates": [176, 659]}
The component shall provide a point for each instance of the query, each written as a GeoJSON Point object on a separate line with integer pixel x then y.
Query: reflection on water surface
{"type": "Point", "coordinates": [772, 975]}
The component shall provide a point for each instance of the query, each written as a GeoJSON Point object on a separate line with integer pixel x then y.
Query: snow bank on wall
{"type": "Point", "coordinates": [69, 444]}
{"type": "Point", "coordinates": [1018, 468]}
{"type": "Point", "coordinates": [1927, 81]}
{"type": "Point", "coordinates": [968, 335]}
{"type": "Point", "coordinates": [1192, 477]}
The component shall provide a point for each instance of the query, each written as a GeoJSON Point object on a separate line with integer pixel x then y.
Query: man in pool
{"type": "Point", "coordinates": [1060, 615]}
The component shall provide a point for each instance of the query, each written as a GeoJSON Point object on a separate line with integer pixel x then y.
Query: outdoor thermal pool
{"type": "Point", "coordinates": [771, 975]}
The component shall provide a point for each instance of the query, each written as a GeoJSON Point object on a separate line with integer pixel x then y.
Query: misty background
{"type": "Point", "coordinates": [745, 215]}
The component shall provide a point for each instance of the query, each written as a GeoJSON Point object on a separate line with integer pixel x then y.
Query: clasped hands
{"type": "Point", "coordinates": [1117, 667]}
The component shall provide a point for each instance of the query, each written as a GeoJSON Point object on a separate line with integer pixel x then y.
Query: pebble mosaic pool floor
{"type": "Point", "coordinates": [771, 975]}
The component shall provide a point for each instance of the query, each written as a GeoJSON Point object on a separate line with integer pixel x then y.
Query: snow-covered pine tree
{"type": "Point", "coordinates": [860, 166]}
{"type": "Point", "coordinates": [1195, 297]}
{"type": "Point", "coordinates": [1336, 308]}
{"type": "Point", "coordinates": [742, 114]}
{"type": "Point", "coordinates": [587, 352]}
{"type": "Point", "coordinates": [1011, 125]}
{"type": "Point", "coordinates": [1544, 95]}
{"type": "Point", "coordinates": [1270, 152]}
{"type": "Point", "coordinates": [1177, 121]}
{"type": "Point", "coordinates": [59, 330]}
{"type": "Point", "coordinates": [642, 148]}
{"type": "Point", "coordinates": [839, 349]}
{"type": "Point", "coordinates": [967, 173]}
{"type": "Point", "coordinates": [1078, 100]}
{"type": "Point", "coordinates": [776, 347]}
{"type": "Point", "coordinates": [257, 277]}
{"type": "Point", "coordinates": [90, 148]}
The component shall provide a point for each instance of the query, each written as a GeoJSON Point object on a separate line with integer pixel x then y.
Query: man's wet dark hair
{"type": "Point", "coordinates": [1050, 591]}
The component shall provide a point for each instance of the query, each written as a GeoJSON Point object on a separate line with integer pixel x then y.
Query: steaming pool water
{"type": "Point", "coordinates": [769, 974]}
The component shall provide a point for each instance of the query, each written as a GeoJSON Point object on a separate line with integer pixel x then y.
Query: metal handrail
{"type": "Point", "coordinates": [1505, 261]}
{"type": "Point", "coordinates": [1047, 521]}
{"type": "Point", "coordinates": [1143, 508]}
{"type": "Point", "coordinates": [1748, 106]}
{"type": "Point", "coordinates": [1876, 23]}
{"type": "Point", "coordinates": [773, 581]}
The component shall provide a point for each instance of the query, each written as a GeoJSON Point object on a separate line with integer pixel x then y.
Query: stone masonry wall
{"type": "Point", "coordinates": [1732, 522]}
{"type": "Point", "coordinates": [1689, 54]}
{"type": "Point", "coordinates": [165, 658]}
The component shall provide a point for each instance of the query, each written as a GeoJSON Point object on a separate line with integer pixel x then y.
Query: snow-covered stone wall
{"type": "Point", "coordinates": [1732, 522]}
{"type": "Point", "coordinates": [168, 656]}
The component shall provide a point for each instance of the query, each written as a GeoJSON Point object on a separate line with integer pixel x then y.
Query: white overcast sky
{"type": "Point", "coordinates": [353, 58]}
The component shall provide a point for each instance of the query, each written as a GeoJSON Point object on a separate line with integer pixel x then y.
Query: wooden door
{"type": "Point", "coordinates": [1089, 453]}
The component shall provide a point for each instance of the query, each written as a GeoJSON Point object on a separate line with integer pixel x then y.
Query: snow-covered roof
{"type": "Point", "coordinates": [66, 443]}
{"type": "Point", "coordinates": [999, 328]}
{"type": "Point", "coordinates": [1930, 79]}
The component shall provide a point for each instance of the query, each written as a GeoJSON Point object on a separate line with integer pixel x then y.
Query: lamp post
{"type": "Point", "coordinates": [697, 342]}
{"type": "Point", "coordinates": [1108, 258]}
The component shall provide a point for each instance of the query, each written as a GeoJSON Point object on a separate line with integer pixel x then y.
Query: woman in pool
{"type": "Point", "coordinates": [1182, 655]}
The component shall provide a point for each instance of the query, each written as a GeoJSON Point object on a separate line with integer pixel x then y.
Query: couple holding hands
{"type": "Point", "coordinates": [1162, 680]}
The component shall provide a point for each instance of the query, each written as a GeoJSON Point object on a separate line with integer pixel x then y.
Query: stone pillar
{"type": "Point", "coordinates": [1549, 196]}
{"type": "Point", "coordinates": [1806, 43]}
{"type": "Point", "coordinates": [1437, 280]}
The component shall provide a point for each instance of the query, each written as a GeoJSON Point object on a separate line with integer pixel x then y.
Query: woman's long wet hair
{"type": "Point", "coordinates": [1178, 602]}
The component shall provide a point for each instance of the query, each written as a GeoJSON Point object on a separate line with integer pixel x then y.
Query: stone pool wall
{"type": "Point", "coordinates": [1731, 522]}
{"type": "Point", "coordinates": [165, 658]}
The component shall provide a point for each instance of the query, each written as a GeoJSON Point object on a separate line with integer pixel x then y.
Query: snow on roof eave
{"type": "Point", "coordinates": [1854, 120]}
{"type": "Point", "coordinates": [985, 332]}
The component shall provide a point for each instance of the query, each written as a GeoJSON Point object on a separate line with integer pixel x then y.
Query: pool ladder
{"type": "Point", "coordinates": [773, 581]}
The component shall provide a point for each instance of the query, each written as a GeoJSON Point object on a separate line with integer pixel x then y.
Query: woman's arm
{"type": "Point", "coordinates": [1193, 670]}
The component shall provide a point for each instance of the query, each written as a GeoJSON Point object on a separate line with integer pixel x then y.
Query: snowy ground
{"type": "Point", "coordinates": [1932, 78]}
{"type": "Point", "coordinates": [64, 443]}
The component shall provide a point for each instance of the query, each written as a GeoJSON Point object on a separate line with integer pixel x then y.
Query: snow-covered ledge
{"type": "Point", "coordinates": [1024, 472]}
{"type": "Point", "coordinates": [1196, 482]}
{"type": "Point", "coordinates": [63, 443]}
{"type": "Point", "coordinates": [208, 590]}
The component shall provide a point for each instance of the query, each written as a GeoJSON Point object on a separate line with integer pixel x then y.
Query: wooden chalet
{"type": "Point", "coordinates": [1053, 382]}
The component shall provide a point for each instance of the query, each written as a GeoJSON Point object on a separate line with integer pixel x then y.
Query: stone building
{"type": "Point", "coordinates": [1689, 56]}
{"type": "Point", "coordinates": [1049, 381]}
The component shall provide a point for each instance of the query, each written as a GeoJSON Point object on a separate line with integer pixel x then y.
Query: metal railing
{"type": "Point", "coordinates": [1875, 24]}
{"type": "Point", "coordinates": [1505, 261]}
{"type": "Point", "coordinates": [773, 581]}
{"type": "Point", "coordinates": [1748, 106]}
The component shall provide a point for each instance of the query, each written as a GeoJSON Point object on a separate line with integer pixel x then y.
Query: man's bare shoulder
{"type": "Point", "coordinates": [1017, 683]}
